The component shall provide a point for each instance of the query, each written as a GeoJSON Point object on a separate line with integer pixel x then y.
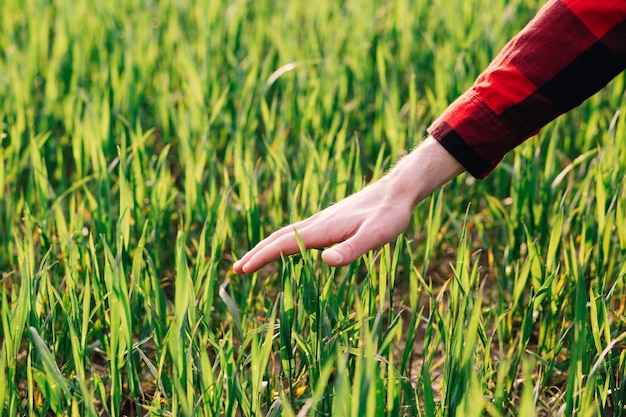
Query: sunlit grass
{"type": "Point", "coordinates": [148, 145]}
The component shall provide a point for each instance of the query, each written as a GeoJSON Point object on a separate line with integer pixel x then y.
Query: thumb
{"type": "Point", "coordinates": [344, 253]}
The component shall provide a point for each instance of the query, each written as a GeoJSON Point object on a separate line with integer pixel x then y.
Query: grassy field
{"type": "Point", "coordinates": [147, 144]}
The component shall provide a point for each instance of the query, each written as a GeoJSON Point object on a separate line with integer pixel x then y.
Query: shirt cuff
{"type": "Point", "coordinates": [473, 134]}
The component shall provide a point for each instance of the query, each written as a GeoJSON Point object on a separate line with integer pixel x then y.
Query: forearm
{"type": "Point", "coordinates": [567, 53]}
{"type": "Point", "coordinates": [422, 171]}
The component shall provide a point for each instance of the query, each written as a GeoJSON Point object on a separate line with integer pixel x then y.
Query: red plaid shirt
{"type": "Point", "coordinates": [569, 51]}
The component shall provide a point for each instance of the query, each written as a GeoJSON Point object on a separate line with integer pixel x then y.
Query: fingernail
{"type": "Point", "coordinates": [332, 256]}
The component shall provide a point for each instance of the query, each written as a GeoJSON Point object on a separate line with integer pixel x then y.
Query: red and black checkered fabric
{"type": "Point", "coordinates": [569, 51]}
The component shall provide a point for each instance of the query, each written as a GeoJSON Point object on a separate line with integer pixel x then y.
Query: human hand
{"type": "Point", "coordinates": [357, 224]}
{"type": "Point", "coordinates": [365, 220]}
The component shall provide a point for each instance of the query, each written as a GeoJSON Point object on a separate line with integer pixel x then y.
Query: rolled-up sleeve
{"type": "Point", "coordinates": [568, 52]}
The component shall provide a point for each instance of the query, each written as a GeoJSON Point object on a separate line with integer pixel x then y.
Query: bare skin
{"type": "Point", "coordinates": [365, 220]}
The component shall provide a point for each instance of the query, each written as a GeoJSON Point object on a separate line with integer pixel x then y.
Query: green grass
{"type": "Point", "coordinates": [146, 145]}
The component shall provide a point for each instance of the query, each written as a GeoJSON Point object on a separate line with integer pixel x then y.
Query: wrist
{"type": "Point", "coordinates": [418, 174]}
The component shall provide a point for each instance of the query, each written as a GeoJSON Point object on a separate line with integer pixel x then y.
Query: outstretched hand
{"type": "Point", "coordinates": [357, 224]}
{"type": "Point", "coordinates": [366, 220]}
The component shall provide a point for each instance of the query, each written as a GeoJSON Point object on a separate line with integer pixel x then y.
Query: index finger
{"type": "Point", "coordinates": [238, 266]}
{"type": "Point", "coordinates": [283, 243]}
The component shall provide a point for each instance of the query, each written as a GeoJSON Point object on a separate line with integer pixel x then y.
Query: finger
{"type": "Point", "coordinates": [237, 266]}
{"type": "Point", "coordinates": [344, 253]}
{"type": "Point", "coordinates": [300, 226]}
{"type": "Point", "coordinates": [287, 244]}
{"type": "Point", "coordinates": [348, 251]}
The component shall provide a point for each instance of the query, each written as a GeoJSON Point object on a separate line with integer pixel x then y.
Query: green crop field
{"type": "Point", "coordinates": [148, 144]}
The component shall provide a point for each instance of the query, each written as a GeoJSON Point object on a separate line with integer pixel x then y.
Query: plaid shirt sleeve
{"type": "Point", "coordinates": [569, 51]}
